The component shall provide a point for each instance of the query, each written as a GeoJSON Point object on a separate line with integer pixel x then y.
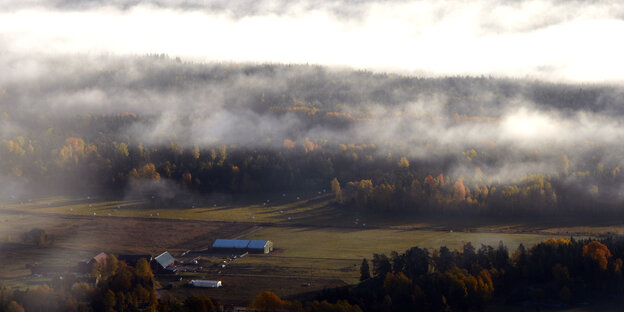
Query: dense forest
{"type": "Point", "coordinates": [383, 142]}
{"type": "Point", "coordinates": [555, 273]}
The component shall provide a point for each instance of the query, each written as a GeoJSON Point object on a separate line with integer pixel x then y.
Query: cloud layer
{"type": "Point", "coordinates": [552, 40]}
{"type": "Point", "coordinates": [517, 126]}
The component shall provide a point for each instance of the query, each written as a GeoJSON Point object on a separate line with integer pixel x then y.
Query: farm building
{"type": "Point", "coordinates": [253, 246]}
{"type": "Point", "coordinates": [230, 244]}
{"type": "Point", "coordinates": [83, 266]}
{"type": "Point", "coordinates": [99, 258]}
{"type": "Point", "coordinates": [260, 246]}
{"type": "Point", "coordinates": [164, 264]}
{"type": "Point", "coordinates": [206, 284]}
{"type": "Point", "coordinates": [86, 265]}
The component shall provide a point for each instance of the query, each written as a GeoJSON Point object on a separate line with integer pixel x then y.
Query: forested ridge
{"type": "Point", "coordinates": [102, 125]}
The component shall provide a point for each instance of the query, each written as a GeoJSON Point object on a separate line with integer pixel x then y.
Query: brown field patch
{"type": "Point", "coordinates": [78, 237]}
{"type": "Point", "coordinates": [242, 289]}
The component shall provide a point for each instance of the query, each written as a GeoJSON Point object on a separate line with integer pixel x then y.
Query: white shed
{"type": "Point", "coordinates": [206, 283]}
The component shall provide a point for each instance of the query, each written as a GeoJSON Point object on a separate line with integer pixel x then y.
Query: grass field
{"type": "Point", "coordinates": [358, 244]}
{"type": "Point", "coordinates": [310, 210]}
{"type": "Point", "coordinates": [279, 210]}
{"type": "Point", "coordinates": [337, 252]}
{"type": "Point", "coordinates": [325, 257]}
{"type": "Point", "coordinates": [321, 245]}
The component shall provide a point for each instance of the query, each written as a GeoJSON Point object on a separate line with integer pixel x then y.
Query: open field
{"type": "Point", "coordinates": [321, 246]}
{"type": "Point", "coordinates": [358, 244]}
{"type": "Point", "coordinates": [242, 289]}
{"type": "Point", "coordinates": [312, 210]}
{"type": "Point", "coordinates": [79, 237]}
{"type": "Point", "coordinates": [325, 257]}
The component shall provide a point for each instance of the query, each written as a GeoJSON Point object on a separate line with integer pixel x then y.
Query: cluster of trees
{"type": "Point", "coordinates": [38, 237]}
{"type": "Point", "coordinates": [119, 288]}
{"type": "Point", "coordinates": [268, 301]}
{"type": "Point", "coordinates": [530, 195]}
{"type": "Point", "coordinates": [265, 302]}
{"type": "Point", "coordinates": [556, 272]}
{"type": "Point", "coordinates": [124, 288]}
{"type": "Point", "coordinates": [409, 188]}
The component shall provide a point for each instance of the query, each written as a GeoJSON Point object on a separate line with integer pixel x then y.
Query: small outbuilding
{"type": "Point", "coordinates": [260, 246]}
{"type": "Point", "coordinates": [206, 284]}
{"type": "Point", "coordinates": [164, 264]}
{"type": "Point", "coordinates": [87, 265]}
{"type": "Point", "coordinates": [99, 259]}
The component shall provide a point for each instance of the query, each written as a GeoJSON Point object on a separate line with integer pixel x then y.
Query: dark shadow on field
{"type": "Point", "coordinates": [97, 203]}
{"type": "Point", "coordinates": [229, 203]}
{"type": "Point", "coordinates": [300, 204]}
{"type": "Point", "coordinates": [558, 225]}
{"type": "Point", "coordinates": [318, 210]}
{"type": "Point", "coordinates": [209, 209]}
{"type": "Point", "coordinates": [301, 228]}
{"type": "Point", "coordinates": [313, 294]}
{"type": "Point", "coordinates": [44, 204]}
{"type": "Point", "coordinates": [325, 215]}
{"type": "Point", "coordinates": [270, 208]}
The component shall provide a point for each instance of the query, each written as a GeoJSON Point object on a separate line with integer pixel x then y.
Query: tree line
{"type": "Point", "coordinates": [362, 175]}
{"type": "Point", "coordinates": [553, 273]}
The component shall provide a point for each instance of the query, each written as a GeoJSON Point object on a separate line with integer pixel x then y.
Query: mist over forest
{"type": "Point", "coordinates": [101, 122]}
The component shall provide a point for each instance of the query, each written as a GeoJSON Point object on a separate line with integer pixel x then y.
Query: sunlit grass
{"type": "Point", "coordinates": [337, 253]}
{"type": "Point", "coordinates": [358, 244]}
{"type": "Point", "coordinates": [282, 211]}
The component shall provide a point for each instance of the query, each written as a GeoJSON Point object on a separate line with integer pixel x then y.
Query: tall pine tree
{"type": "Point", "coordinates": [364, 270]}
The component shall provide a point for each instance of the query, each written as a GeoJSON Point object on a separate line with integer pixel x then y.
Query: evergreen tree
{"type": "Point", "coordinates": [364, 270]}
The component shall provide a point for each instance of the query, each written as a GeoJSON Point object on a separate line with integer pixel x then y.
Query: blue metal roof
{"type": "Point", "coordinates": [257, 244]}
{"type": "Point", "coordinates": [230, 243]}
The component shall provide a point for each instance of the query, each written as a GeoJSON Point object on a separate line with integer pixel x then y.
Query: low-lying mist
{"type": "Point", "coordinates": [474, 128]}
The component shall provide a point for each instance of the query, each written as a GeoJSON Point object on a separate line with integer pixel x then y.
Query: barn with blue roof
{"type": "Point", "coordinates": [251, 246]}
{"type": "Point", "coordinates": [260, 246]}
